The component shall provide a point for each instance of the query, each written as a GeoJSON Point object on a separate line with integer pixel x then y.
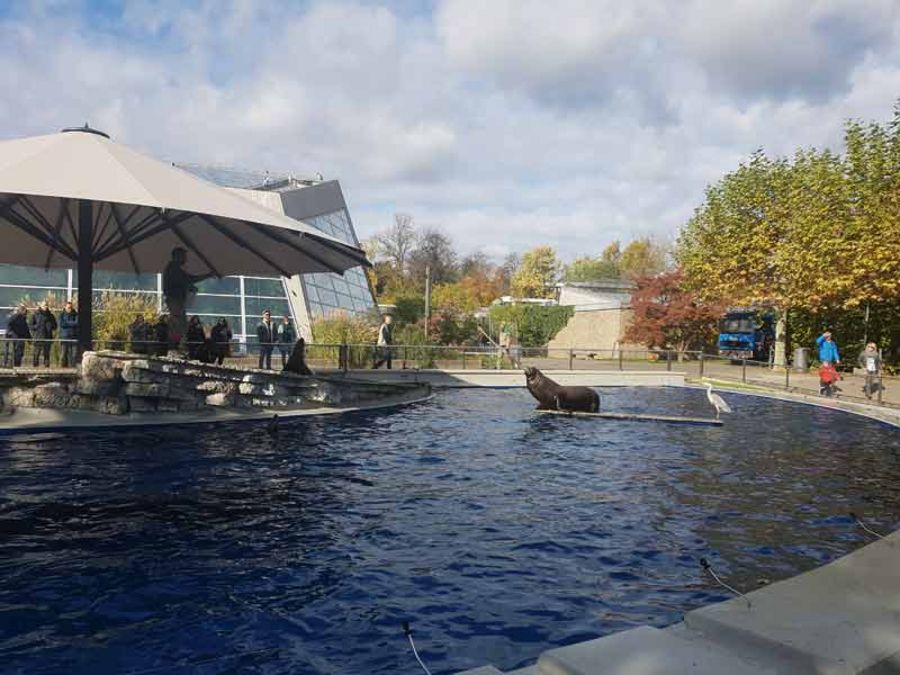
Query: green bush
{"type": "Point", "coordinates": [343, 329]}
{"type": "Point", "coordinates": [537, 324]}
{"type": "Point", "coordinates": [415, 350]}
{"type": "Point", "coordinates": [410, 309]}
{"type": "Point", "coordinates": [114, 313]}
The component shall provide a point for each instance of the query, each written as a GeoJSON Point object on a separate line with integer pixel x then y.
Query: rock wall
{"type": "Point", "coordinates": [117, 383]}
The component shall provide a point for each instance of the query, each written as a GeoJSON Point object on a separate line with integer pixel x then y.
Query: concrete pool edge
{"type": "Point", "coordinates": [40, 420]}
{"type": "Point", "coordinates": [840, 618]}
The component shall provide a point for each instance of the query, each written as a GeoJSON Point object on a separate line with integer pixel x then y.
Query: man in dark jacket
{"type": "Point", "coordinates": [221, 341]}
{"type": "Point", "coordinates": [43, 328]}
{"type": "Point", "coordinates": [68, 335]}
{"type": "Point", "coordinates": [287, 336]}
{"type": "Point", "coordinates": [267, 334]}
{"type": "Point", "coordinates": [16, 334]}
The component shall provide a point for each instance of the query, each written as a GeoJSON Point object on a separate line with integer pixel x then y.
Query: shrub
{"type": "Point", "coordinates": [343, 329]}
{"type": "Point", "coordinates": [536, 324]}
{"type": "Point", "coordinates": [114, 313]}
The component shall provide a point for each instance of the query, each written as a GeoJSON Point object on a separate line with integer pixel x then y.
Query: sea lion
{"type": "Point", "coordinates": [297, 361]}
{"type": "Point", "coordinates": [554, 396]}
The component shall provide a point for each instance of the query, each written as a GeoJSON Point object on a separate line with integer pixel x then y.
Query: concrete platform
{"type": "Point", "coordinates": [841, 618]}
{"type": "Point", "coordinates": [643, 651]}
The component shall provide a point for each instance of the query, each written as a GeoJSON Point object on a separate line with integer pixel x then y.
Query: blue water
{"type": "Point", "coordinates": [497, 532]}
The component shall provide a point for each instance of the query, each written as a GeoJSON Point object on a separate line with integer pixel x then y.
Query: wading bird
{"type": "Point", "coordinates": [717, 401]}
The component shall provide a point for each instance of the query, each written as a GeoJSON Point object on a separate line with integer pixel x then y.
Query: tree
{"type": "Point", "coordinates": [537, 273]}
{"type": "Point", "coordinates": [591, 269]}
{"type": "Point", "coordinates": [434, 250]}
{"type": "Point", "coordinates": [666, 314]}
{"type": "Point", "coordinates": [641, 258]}
{"type": "Point", "coordinates": [396, 243]}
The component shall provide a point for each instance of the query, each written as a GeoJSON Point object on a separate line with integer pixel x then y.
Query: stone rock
{"type": "Point", "coordinates": [267, 389]}
{"type": "Point", "coordinates": [153, 390]}
{"type": "Point", "coordinates": [19, 397]}
{"type": "Point", "coordinates": [138, 370]}
{"type": "Point", "coordinates": [100, 367]}
{"type": "Point", "coordinates": [217, 387]}
{"type": "Point", "coordinates": [138, 404]}
{"type": "Point", "coordinates": [220, 399]}
{"type": "Point", "coordinates": [54, 395]}
{"type": "Point", "coordinates": [111, 405]}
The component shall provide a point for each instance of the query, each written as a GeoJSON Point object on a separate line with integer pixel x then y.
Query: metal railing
{"type": "Point", "coordinates": [23, 356]}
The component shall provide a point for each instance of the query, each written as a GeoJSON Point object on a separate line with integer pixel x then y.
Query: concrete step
{"type": "Point", "coordinates": [838, 619]}
{"type": "Point", "coordinates": [644, 651]}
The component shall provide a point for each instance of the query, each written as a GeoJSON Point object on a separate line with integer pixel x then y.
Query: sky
{"type": "Point", "coordinates": [506, 123]}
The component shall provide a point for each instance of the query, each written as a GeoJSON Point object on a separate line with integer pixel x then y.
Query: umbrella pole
{"type": "Point", "coordinates": [85, 273]}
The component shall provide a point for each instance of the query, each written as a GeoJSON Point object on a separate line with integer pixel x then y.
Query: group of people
{"type": "Point", "coordinates": [40, 328]}
{"type": "Point", "coordinates": [869, 361]}
{"type": "Point", "coordinates": [271, 334]}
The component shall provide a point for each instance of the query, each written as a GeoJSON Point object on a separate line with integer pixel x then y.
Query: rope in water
{"type": "Point", "coordinates": [704, 563]}
{"type": "Point", "coordinates": [408, 632]}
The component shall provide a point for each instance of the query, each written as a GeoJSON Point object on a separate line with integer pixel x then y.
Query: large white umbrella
{"type": "Point", "coordinates": [78, 197]}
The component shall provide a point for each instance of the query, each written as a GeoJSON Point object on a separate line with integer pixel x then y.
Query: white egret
{"type": "Point", "coordinates": [717, 401]}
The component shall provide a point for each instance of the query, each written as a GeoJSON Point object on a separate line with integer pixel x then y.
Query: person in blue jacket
{"type": "Point", "coordinates": [828, 350]}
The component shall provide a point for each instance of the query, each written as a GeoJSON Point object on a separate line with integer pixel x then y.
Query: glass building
{"type": "Point", "coordinates": [239, 299]}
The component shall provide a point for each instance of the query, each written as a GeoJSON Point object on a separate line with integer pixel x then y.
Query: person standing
{"type": "Point", "coordinates": [385, 340]}
{"type": "Point", "coordinates": [43, 328]}
{"type": "Point", "coordinates": [179, 289]}
{"type": "Point", "coordinates": [138, 331]}
{"type": "Point", "coordinates": [196, 336]}
{"type": "Point", "coordinates": [828, 350]}
{"type": "Point", "coordinates": [267, 334]}
{"type": "Point", "coordinates": [68, 335]}
{"type": "Point", "coordinates": [287, 336]}
{"type": "Point", "coordinates": [221, 341]}
{"type": "Point", "coordinates": [16, 334]}
{"type": "Point", "coordinates": [870, 361]}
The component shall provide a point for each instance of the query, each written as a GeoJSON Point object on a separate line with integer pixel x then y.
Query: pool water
{"type": "Point", "coordinates": [497, 532]}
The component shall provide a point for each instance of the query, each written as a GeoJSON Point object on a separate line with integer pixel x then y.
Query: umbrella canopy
{"type": "Point", "coordinates": [78, 197]}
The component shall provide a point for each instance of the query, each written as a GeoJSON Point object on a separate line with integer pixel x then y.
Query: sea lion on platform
{"type": "Point", "coordinates": [554, 396]}
{"type": "Point", "coordinates": [297, 362]}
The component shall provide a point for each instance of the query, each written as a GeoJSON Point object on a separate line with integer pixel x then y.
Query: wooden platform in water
{"type": "Point", "coordinates": [637, 417]}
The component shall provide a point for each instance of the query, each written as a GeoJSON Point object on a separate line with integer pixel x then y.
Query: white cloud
{"type": "Point", "coordinates": [509, 123]}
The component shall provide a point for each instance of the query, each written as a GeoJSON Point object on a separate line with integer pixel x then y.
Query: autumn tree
{"type": "Point", "coordinates": [537, 273]}
{"type": "Point", "coordinates": [642, 257]}
{"type": "Point", "coordinates": [666, 314]}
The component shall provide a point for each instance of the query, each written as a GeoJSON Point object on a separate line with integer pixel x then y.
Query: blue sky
{"type": "Point", "coordinates": [507, 123]}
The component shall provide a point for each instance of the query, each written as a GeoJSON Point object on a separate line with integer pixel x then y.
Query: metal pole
{"type": "Point", "coordinates": [744, 371]}
{"type": "Point", "coordinates": [427, 298]}
{"type": "Point", "coordinates": [701, 364]}
{"type": "Point", "coordinates": [571, 357]}
{"type": "Point", "coordinates": [464, 358]}
{"type": "Point", "coordinates": [880, 388]}
{"type": "Point", "coordinates": [621, 358]}
{"type": "Point", "coordinates": [85, 273]}
{"type": "Point", "coordinates": [787, 378]}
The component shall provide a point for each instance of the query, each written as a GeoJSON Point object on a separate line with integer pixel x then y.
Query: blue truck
{"type": "Point", "coordinates": [746, 334]}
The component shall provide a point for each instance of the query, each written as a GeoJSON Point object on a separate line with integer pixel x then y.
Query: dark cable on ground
{"type": "Point", "coordinates": [407, 631]}
{"type": "Point", "coordinates": [704, 563]}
